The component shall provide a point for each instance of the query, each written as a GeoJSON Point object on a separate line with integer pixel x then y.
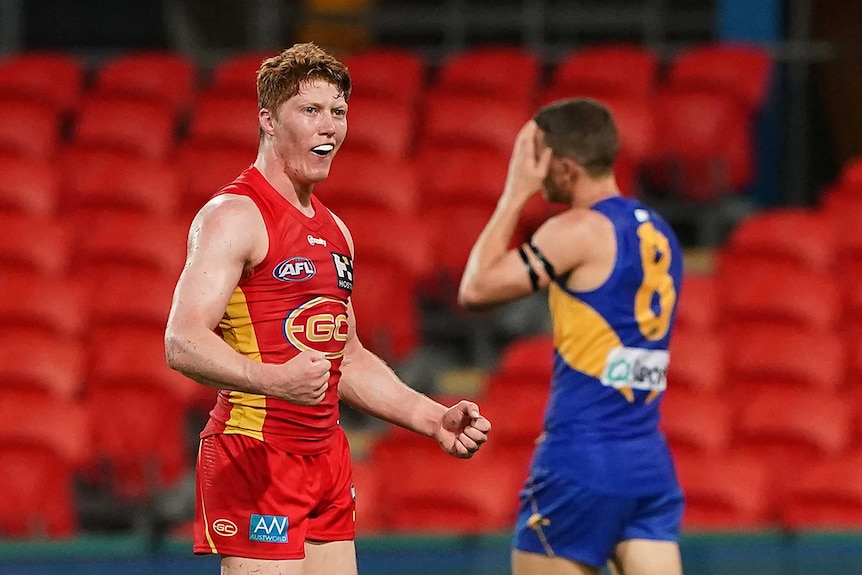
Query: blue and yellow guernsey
{"type": "Point", "coordinates": [610, 362]}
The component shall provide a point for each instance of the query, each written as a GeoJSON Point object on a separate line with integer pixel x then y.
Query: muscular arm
{"type": "Point", "coordinates": [369, 385]}
{"type": "Point", "coordinates": [227, 237]}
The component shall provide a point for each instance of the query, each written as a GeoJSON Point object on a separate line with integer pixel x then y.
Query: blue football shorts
{"type": "Point", "coordinates": [561, 518]}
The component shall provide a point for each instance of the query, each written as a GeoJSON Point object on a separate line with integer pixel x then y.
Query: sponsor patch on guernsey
{"type": "Point", "coordinates": [295, 269]}
{"type": "Point", "coordinates": [268, 528]}
{"type": "Point", "coordinates": [636, 368]}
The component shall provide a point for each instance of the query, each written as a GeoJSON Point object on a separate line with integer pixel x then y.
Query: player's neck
{"type": "Point", "coordinates": [590, 191]}
{"type": "Point", "coordinates": [273, 171]}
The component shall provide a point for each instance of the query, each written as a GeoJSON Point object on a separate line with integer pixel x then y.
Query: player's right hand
{"type": "Point", "coordinates": [303, 379]}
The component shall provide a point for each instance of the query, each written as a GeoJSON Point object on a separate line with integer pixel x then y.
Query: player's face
{"type": "Point", "coordinates": [553, 188]}
{"type": "Point", "coordinates": [309, 129]}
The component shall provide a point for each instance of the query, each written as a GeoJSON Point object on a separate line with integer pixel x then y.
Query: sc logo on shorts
{"type": "Point", "coordinates": [320, 324]}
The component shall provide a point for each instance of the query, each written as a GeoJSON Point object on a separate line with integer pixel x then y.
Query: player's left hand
{"type": "Point", "coordinates": [462, 430]}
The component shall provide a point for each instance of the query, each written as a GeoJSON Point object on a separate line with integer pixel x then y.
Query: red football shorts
{"type": "Point", "coordinates": [259, 502]}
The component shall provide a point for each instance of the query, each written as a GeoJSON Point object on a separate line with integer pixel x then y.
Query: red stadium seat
{"type": "Point", "coordinates": [781, 357]}
{"type": "Point", "coordinates": [119, 299]}
{"type": "Point", "coordinates": [218, 120]}
{"type": "Point", "coordinates": [236, 75]}
{"type": "Point", "coordinates": [743, 71]}
{"type": "Point", "coordinates": [480, 494]}
{"type": "Point", "coordinates": [387, 317]}
{"type": "Point", "coordinates": [696, 421]}
{"type": "Point", "coordinates": [100, 180]}
{"type": "Point", "coordinates": [492, 125]}
{"type": "Point", "coordinates": [387, 72]}
{"type": "Point", "coordinates": [38, 501]}
{"type": "Point", "coordinates": [370, 498]}
{"type": "Point", "coordinates": [29, 185]}
{"type": "Point", "coordinates": [411, 252]}
{"type": "Point", "coordinates": [791, 429]}
{"type": "Point", "coordinates": [383, 126]}
{"type": "Point", "coordinates": [507, 394]}
{"type": "Point", "coordinates": [156, 76]}
{"type": "Point", "coordinates": [140, 439]}
{"type": "Point", "coordinates": [698, 360]}
{"type": "Point", "coordinates": [137, 358]}
{"type": "Point", "coordinates": [360, 180]}
{"type": "Point", "coordinates": [487, 72]}
{"type": "Point", "coordinates": [56, 79]}
{"type": "Point", "coordinates": [462, 176]}
{"type": "Point", "coordinates": [531, 357]}
{"type": "Point", "coordinates": [29, 129]}
{"type": "Point", "coordinates": [38, 303]}
{"type": "Point", "coordinates": [724, 491]}
{"type": "Point", "coordinates": [776, 294]}
{"type": "Point", "coordinates": [703, 146]}
{"type": "Point", "coordinates": [33, 244]}
{"type": "Point", "coordinates": [797, 236]}
{"type": "Point", "coordinates": [204, 170]}
{"type": "Point", "coordinates": [604, 71]}
{"type": "Point", "coordinates": [698, 304]}
{"type": "Point", "coordinates": [42, 362]}
{"type": "Point", "coordinates": [131, 242]}
{"type": "Point", "coordinates": [142, 129]}
{"type": "Point", "coordinates": [825, 495]}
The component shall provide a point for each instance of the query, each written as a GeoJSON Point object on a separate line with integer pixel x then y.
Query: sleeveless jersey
{"type": "Point", "coordinates": [610, 362]}
{"type": "Point", "coordinates": [294, 300]}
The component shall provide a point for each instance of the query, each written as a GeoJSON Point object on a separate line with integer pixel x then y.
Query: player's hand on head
{"type": "Point", "coordinates": [528, 166]}
{"type": "Point", "coordinates": [303, 379]}
{"type": "Point", "coordinates": [463, 430]}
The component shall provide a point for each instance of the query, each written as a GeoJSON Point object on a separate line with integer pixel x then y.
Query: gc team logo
{"type": "Point", "coordinates": [320, 324]}
{"type": "Point", "coordinates": [224, 527]}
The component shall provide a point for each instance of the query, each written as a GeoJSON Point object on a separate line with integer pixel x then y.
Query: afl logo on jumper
{"type": "Point", "coordinates": [344, 271]}
{"type": "Point", "coordinates": [295, 269]}
{"type": "Point", "coordinates": [320, 324]}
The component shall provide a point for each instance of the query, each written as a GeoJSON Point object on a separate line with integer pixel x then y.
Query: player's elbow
{"type": "Point", "coordinates": [176, 348]}
{"type": "Point", "coordinates": [471, 296]}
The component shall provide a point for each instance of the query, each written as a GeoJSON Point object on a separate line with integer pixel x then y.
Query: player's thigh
{"type": "Point", "coordinates": [648, 557]}
{"type": "Point", "coordinates": [242, 566]}
{"type": "Point", "coordinates": [331, 558]}
{"type": "Point", "coordinates": [524, 563]}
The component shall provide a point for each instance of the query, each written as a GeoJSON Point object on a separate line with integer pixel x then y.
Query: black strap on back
{"type": "Point", "coordinates": [549, 269]}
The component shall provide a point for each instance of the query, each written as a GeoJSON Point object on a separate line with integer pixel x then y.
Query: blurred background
{"type": "Point", "coordinates": [741, 122]}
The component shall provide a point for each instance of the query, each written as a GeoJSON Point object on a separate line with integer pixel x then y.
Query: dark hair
{"type": "Point", "coordinates": [582, 129]}
{"type": "Point", "coordinates": [281, 76]}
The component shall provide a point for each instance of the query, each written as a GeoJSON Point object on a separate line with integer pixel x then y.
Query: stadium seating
{"type": "Point", "coordinates": [724, 491]}
{"type": "Point", "coordinates": [460, 176]}
{"type": "Point", "coordinates": [487, 72]}
{"type": "Point", "coordinates": [224, 121]}
{"type": "Point", "coordinates": [42, 362]}
{"type": "Point", "coordinates": [203, 170]}
{"type": "Point", "coordinates": [135, 128]}
{"type": "Point", "coordinates": [101, 180]}
{"type": "Point", "coordinates": [54, 78]}
{"type": "Point", "coordinates": [155, 76]}
{"type": "Point", "coordinates": [33, 244]}
{"type": "Point", "coordinates": [698, 306]}
{"type": "Point", "coordinates": [825, 496]}
{"type": "Point", "coordinates": [743, 71]}
{"type": "Point", "coordinates": [35, 303]}
{"type": "Point", "coordinates": [698, 361]}
{"type": "Point", "coordinates": [384, 126]}
{"type": "Point", "coordinates": [364, 179]}
{"type": "Point", "coordinates": [236, 74]}
{"type": "Point", "coordinates": [696, 421]}
{"type": "Point", "coordinates": [387, 72]}
{"type": "Point", "coordinates": [29, 129]}
{"type": "Point", "coordinates": [29, 185]}
{"type": "Point", "coordinates": [530, 357]}
{"type": "Point", "coordinates": [611, 70]}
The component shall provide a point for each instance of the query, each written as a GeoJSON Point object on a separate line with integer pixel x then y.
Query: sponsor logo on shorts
{"type": "Point", "coordinates": [636, 368]}
{"type": "Point", "coordinates": [268, 528]}
{"type": "Point", "coordinates": [224, 527]}
{"type": "Point", "coordinates": [295, 269]}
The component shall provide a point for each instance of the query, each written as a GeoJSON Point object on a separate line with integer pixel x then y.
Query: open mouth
{"type": "Point", "coordinates": [322, 150]}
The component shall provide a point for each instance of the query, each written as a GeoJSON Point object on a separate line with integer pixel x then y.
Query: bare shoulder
{"type": "Point", "coordinates": [229, 221]}
{"type": "Point", "coordinates": [579, 224]}
{"type": "Point", "coordinates": [344, 230]}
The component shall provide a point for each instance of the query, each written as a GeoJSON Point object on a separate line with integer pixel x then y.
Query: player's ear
{"type": "Point", "coordinates": [265, 120]}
